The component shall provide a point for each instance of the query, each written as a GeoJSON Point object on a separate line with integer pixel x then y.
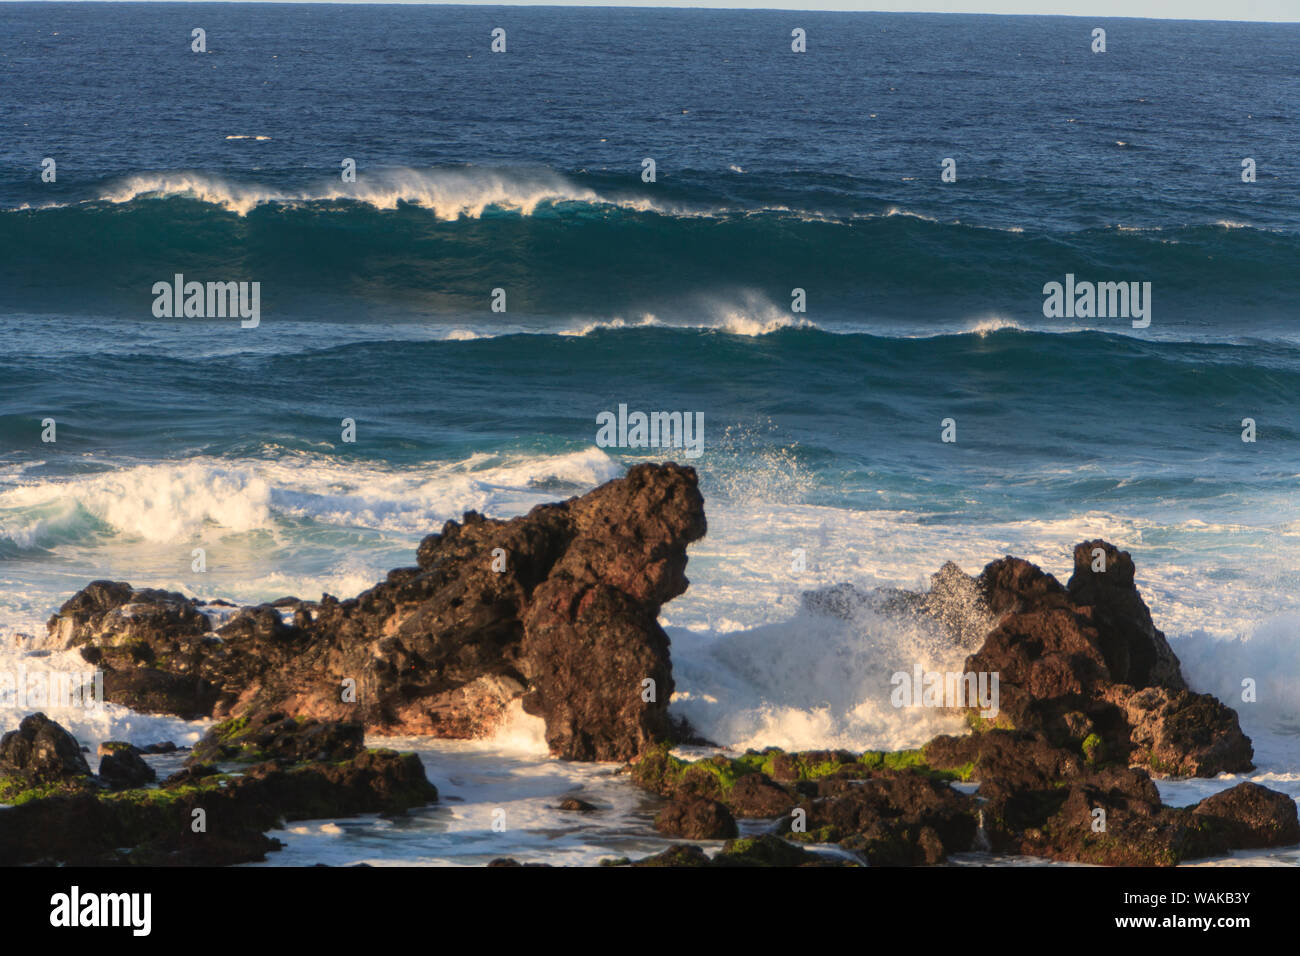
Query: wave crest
{"type": "Point", "coordinates": [162, 503]}
{"type": "Point", "coordinates": [449, 193]}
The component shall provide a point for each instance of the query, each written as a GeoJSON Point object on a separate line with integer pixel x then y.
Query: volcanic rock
{"type": "Point", "coordinates": [40, 752]}
{"type": "Point", "coordinates": [121, 767]}
{"type": "Point", "coordinates": [558, 609]}
{"type": "Point", "coordinates": [696, 818]}
{"type": "Point", "coordinates": [1251, 816]}
{"type": "Point", "coordinates": [1085, 662]}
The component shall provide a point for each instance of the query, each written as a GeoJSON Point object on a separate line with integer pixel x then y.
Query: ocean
{"type": "Point", "coordinates": [822, 460]}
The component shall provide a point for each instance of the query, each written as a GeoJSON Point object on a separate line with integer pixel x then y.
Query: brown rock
{"type": "Point", "coordinates": [1134, 649]}
{"type": "Point", "coordinates": [41, 752]}
{"type": "Point", "coordinates": [1181, 733]}
{"type": "Point", "coordinates": [1252, 817]}
{"type": "Point", "coordinates": [1025, 760]}
{"type": "Point", "coordinates": [1087, 662]}
{"type": "Point", "coordinates": [559, 607]}
{"type": "Point", "coordinates": [137, 828]}
{"type": "Point", "coordinates": [121, 767]}
{"type": "Point", "coordinates": [756, 795]}
{"type": "Point", "coordinates": [696, 818]}
{"type": "Point", "coordinates": [885, 816]}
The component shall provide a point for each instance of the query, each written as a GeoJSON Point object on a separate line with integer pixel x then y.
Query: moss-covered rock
{"type": "Point", "coordinates": [121, 766]}
{"type": "Point", "coordinates": [696, 818]}
{"type": "Point", "coordinates": [765, 850]}
{"type": "Point", "coordinates": [898, 818]}
{"type": "Point", "coordinates": [277, 736]}
{"type": "Point", "coordinates": [40, 752]}
{"type": "Point", "coordinates": [681, 854]}
{"type": "Point", "coordinates": [15, 791]}
{"type": "Point", "coordinates": [164, 826]}
{"type": "Point", "coordinates": [770, 772]}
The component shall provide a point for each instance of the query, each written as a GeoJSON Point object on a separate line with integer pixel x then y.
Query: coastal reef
{"type": "Point", "coordinates": [556, 611]}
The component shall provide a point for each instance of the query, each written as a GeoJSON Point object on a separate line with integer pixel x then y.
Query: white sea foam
{"type": "Point", "coordinates": [993, 323]}
{"type": "Point", "coordinates": [743, 312]}
{"type": "Point", "coordinates": [1265, 655]}
{"type": "Point", "coordinates": [493, 802]}
{"type": "Point", "coordinates": [458, 192]}
{"type": "Point", "coordinates": [178, 502]}
{"type": "Point", "coordinates": [450, 193]}
{"type": "Point", "coordinates": [90, 725]}
{"type": "Point", "coordinates": [156, 502]}
{"type": "Point", "coordinates": [810, 681]}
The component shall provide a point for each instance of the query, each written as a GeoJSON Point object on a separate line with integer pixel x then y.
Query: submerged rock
{"type": "Point", "coordinates": [279, 737]}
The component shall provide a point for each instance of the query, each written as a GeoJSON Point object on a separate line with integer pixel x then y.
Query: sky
{"type": "Point", "coordinates": [1273, 10]}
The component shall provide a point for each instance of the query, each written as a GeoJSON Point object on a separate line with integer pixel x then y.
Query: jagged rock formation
{"type": "Point", "coordinates": [1086, 661]}
{"type": "Point", "coordinates": [557, 608]}
{"type": "Point", "coordinates": [1091, 694]}
{"type": "Point", "coordinates": [1080, 662]}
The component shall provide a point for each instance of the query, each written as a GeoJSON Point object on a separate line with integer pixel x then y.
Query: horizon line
{"type": "Point", "coordinates": [683, 5]}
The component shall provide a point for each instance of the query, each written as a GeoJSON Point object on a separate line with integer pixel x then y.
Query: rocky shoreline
{"type": "Point", "coordinates": [557, 610]}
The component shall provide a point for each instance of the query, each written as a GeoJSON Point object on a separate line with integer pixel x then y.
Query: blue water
{"type": "Point", "coordinates": [775, 171]}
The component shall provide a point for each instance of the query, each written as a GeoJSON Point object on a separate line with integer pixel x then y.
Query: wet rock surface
{"type": "Point", "coordinates": [200, 816]}
{"type": "Point", "coordinates": [557, 609]}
